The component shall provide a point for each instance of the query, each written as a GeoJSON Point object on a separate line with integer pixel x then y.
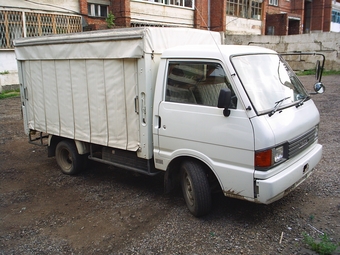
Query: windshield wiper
{"type": "Point", "coordinates": [277, 105]}
{"type": "Point", "coordinates": [302, 101]}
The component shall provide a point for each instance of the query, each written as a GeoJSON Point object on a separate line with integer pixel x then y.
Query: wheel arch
{"type": "Point", "coordinates": [53, 140]}
{"type": "Point", "coordinates": [172, 174]}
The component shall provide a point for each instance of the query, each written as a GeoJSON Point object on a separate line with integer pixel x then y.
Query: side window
{"type": "Point", "coordinates": [196, 83]}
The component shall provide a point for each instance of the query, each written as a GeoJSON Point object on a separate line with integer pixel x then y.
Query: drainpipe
{"type": "Point", "coordinates": [208, 14]}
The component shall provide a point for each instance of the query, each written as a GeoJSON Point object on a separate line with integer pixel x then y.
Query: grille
{"type": "Point", "coordinates": [17, 24]}
{"type": "Point", "coordinates": [302, 142]}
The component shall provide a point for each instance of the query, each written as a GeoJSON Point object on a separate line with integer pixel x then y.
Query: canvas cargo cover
{"type": "Point", "coordinates": [85, 100]}
{"type": "Point", "coordinates": [114, 43]}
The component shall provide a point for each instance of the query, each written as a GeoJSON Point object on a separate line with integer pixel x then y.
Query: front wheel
{"type": "Point", "coordinates": [68, 158]}
{"type": "Point", "coordinates": [196, 189]}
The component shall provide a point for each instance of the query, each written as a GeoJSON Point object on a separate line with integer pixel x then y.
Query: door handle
{"type": "Point", "coordinates": [158, 121]}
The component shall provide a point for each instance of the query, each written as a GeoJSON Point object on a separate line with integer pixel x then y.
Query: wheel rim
{"type": "Point", "coordinates": [66, 160]}
{"type": "Point", "coordinates": [188, 189]}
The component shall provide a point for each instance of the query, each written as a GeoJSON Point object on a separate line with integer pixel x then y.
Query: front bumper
{"type": "Point", "coordinates": [279, 185]}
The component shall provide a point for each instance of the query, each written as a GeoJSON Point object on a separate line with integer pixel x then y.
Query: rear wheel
{"type": "Point", "coordinates": [196, 189]}
{"type": "Point", "coordinates": [68, 158]}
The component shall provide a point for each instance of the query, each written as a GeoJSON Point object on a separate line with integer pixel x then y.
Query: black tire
{"type": "Point", "coordinates": [67, 157]}
{"type": "Point", "coordinates": [196, 189]}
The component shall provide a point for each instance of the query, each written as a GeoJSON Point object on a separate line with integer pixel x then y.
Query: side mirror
{"type": "Point", "coordinates": [224, 99]}
{"type": "Point", "coordinates": [319, 88]}
{"type": "Point", "coordinates": [318, 70]}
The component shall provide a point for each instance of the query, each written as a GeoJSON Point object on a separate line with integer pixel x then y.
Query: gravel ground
{"type": "Point", "coordinates": [105, 210]}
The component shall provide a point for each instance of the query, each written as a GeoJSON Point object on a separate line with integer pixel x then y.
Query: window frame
{"type": "Point", "coordinates": [190, 4]}
{"type": "Point", "coordinates": [274, 2]}
{"type": "Point", "coordinates": [196, 78]}
{"type": "Point", "coordinates": [95, 10]}
{"type": "Point", "coordinates": [336, 16]}
{"type": "Point", "coordinates": [247, 9]}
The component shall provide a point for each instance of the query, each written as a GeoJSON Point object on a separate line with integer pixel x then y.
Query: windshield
{"type": "Point", "coordinates": [269, 82]}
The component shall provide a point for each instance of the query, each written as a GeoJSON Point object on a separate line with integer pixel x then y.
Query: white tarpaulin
{"type": "Point", "coordinates": [114, 43]}
{"type": "Point", "coordinates": [86, 100]}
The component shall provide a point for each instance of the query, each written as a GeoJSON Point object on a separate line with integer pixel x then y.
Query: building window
{"type": "Point", "coordinates": [249, 9]}
{"type": "Point", "coordinates": [17, 24]}
{"type": "Point", "coordinates": [10, 28]}
{"type": "Point", "coordinates": [335, 16]}
{"type": "Point", "coordinates": [256, 10]}
{"type": "Point", "coordinates": [97, 10]}
{"type": "Point", "coordinates": [182, 3]}
{"type": "Point", "coordinates": [274, 2]}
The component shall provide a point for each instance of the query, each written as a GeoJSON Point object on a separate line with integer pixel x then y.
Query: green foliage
{"type": "Point", "coordinates": [331, 72]}
{"type": "Point", "coordinates": [110, 20]}
{"type": "Point", "coordinates": [9, 93]}
{"type": "Point", "coordinates": [4, 72]}
{"type": "Point", "coordinates": [324, 246]}
{"type": "Point", "coordinates": [312, 72]}
{"type": "Point", "coordinates": [306, 72]}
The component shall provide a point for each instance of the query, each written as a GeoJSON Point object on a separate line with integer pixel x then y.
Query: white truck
{"type": "Point", "coordinates": [173, 101]}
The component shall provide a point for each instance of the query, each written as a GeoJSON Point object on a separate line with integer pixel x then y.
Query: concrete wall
{"type": "Point", "coordinates": [7, 61]}
{"type": "Point", "coordinates": [247, 26]}
{"type": "Point", "coordinates": [8, 69]}
{"type": "Point", "coordinates": [327, 43]}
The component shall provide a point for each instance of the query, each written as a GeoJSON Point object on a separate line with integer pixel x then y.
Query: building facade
{"type": "Point", "coordinates": [20, 18]}
{"type": "Point", "coordinates": [200, 14]}
{"type": "Point", "coordinates": [29, 19]}
{"type": "Point", "coordinates": [290, 17]}
{"type": "Point", "coordinates": [262, 17]}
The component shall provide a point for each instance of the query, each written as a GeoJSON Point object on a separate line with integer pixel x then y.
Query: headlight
{"type": "Point", "coordinates": [316, 133]}
{"type": "Point", "coordinates": [270, 157]}
{"type": "Point", "coordinates": [278, 154]}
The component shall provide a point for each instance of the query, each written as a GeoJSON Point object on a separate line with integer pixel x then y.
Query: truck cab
{"type": "Point", "coordinates": [235, 116]}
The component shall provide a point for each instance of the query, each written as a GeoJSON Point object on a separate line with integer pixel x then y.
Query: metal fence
{"type": "Point", "coordinates": [16, 24]}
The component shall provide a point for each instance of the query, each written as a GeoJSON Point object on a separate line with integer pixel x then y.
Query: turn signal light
{"type": "Point", "coordinates": [269, 157]}
{"type": "Point", "coordinates": [263, 158]}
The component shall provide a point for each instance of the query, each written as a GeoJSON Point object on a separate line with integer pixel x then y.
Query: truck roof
{"type": "Point", "coordinates": [112, 43]}
{"type": "Point", "coordinates": [213, 51]}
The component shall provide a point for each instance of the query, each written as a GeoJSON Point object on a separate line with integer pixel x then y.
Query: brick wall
{"type": "Point", "coordinates": [321, 15]}
{"type": "Point", "coordinates": [279, 22]}
{"type": "Point", "coordinates": [218, 15]}
{"type": "Point", "coordinates": [97, 23]}
{"type": "Point", "coordinates": [201, 14]}
{"type": "Point", "coordinates": [297, 7]}
{"type": "Point", "coordinates": [285, 6]}
{"type": "Point", "coordinates": [317, 15]}
{"type": "Point", "coordinates": [93, 23]}
{"type": "Point", "coordinates": [121, 10]}
{"type": "Point", "coordinates": [327, 15]}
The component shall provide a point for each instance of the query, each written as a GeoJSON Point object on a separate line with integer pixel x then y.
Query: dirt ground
{"type": "Point", "coordinates": [105, 210]}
